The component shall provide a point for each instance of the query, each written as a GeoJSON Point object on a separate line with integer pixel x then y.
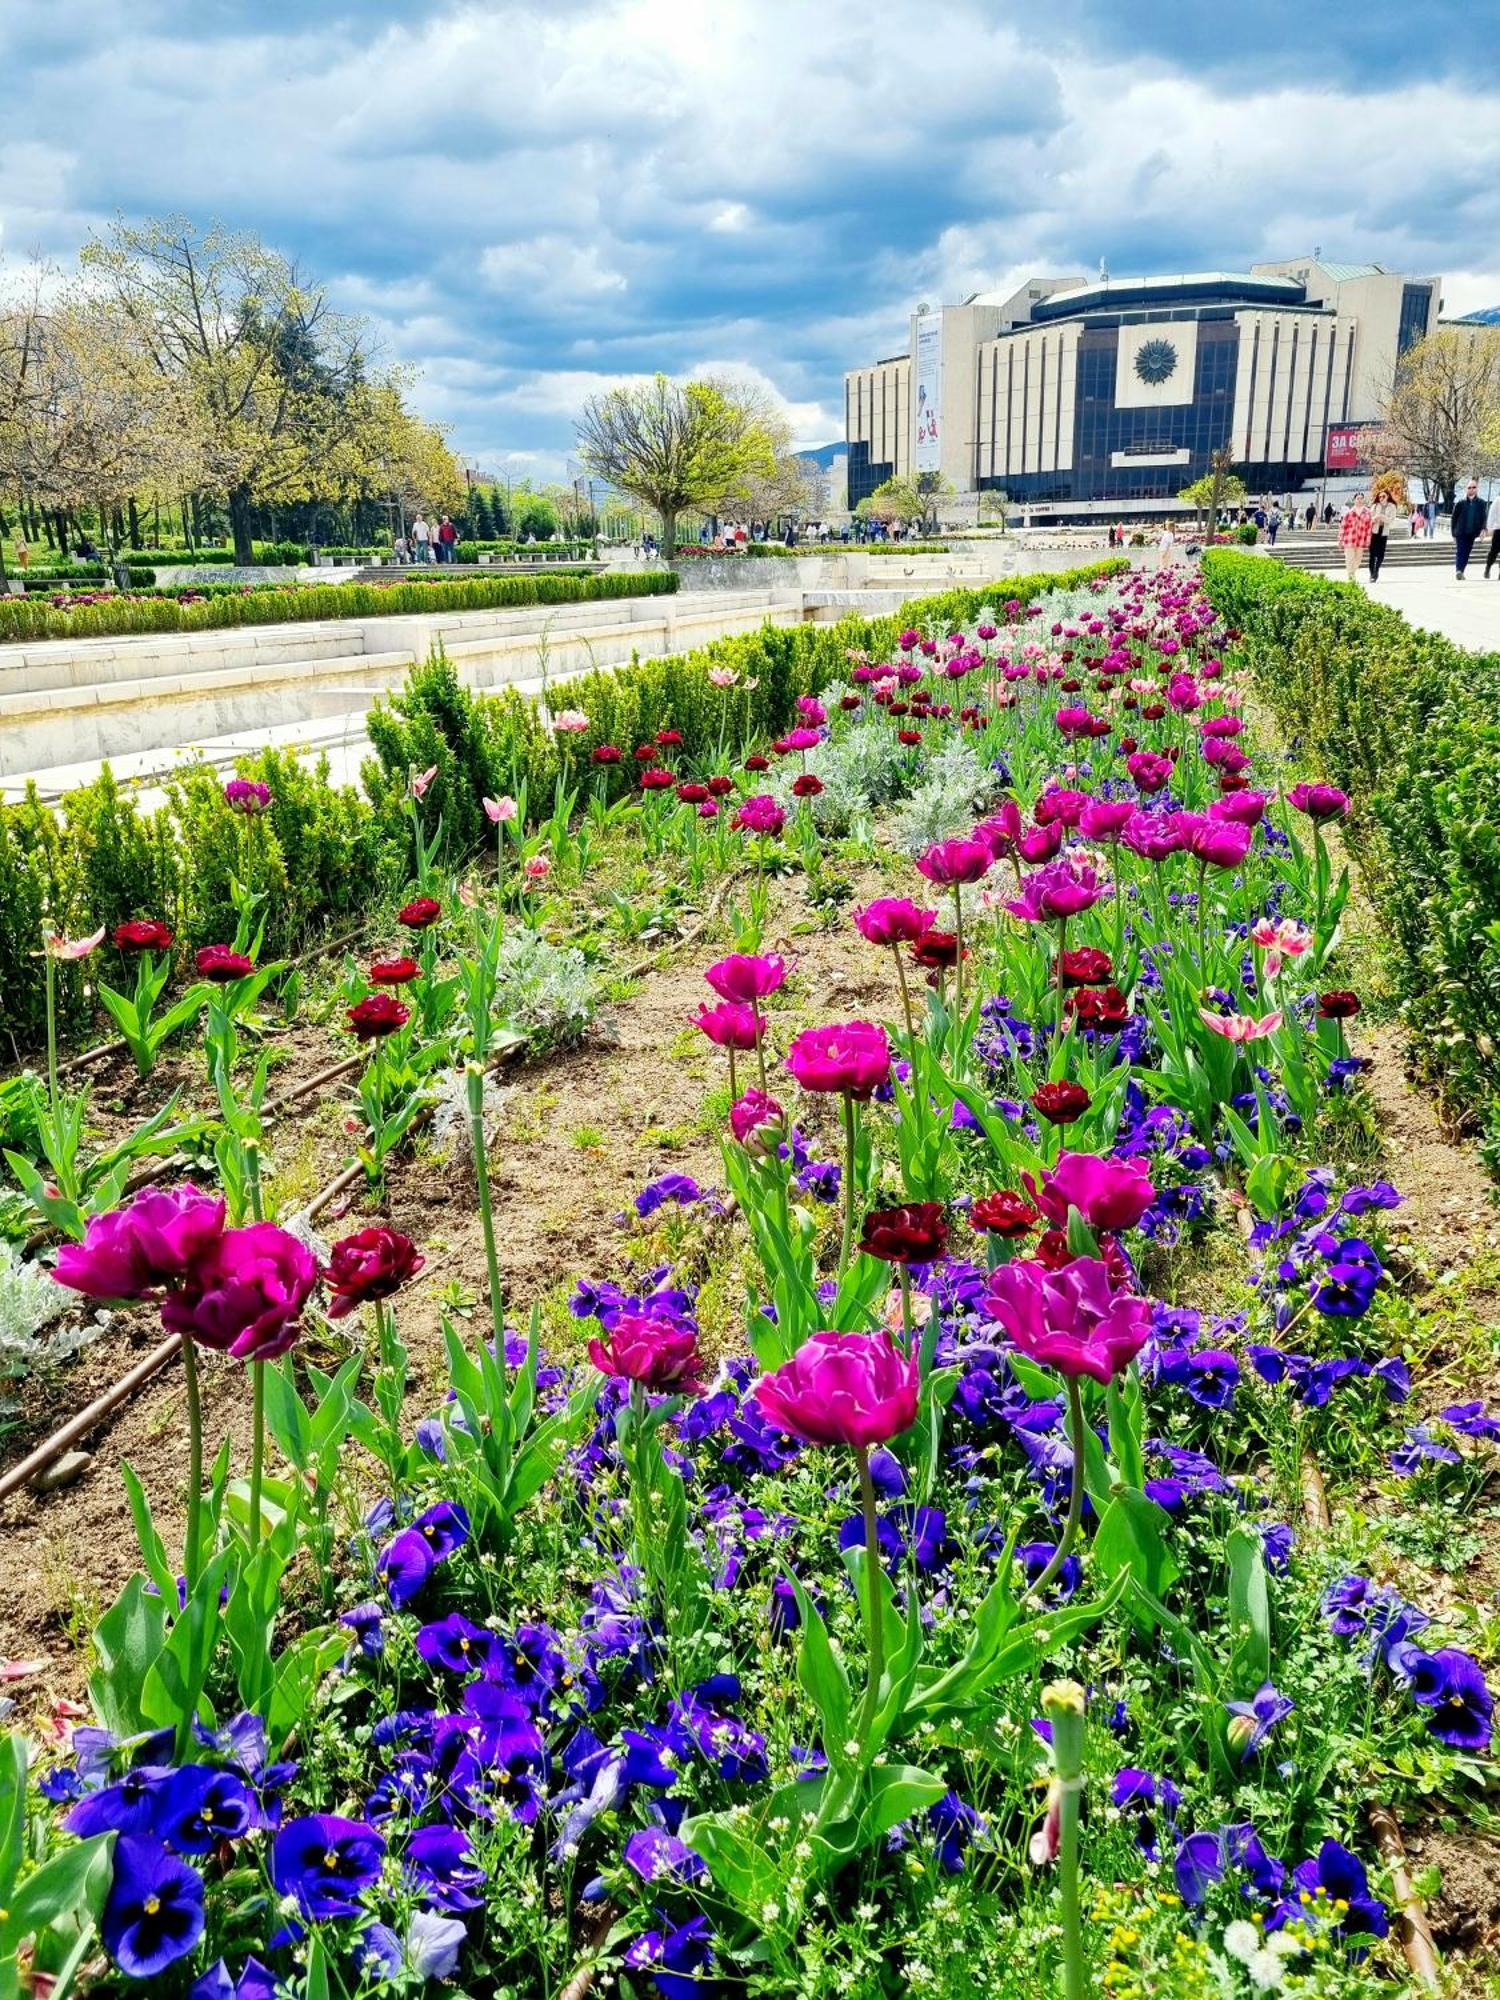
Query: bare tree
{"type": "Point", "coordinates": [677, 445]}
{"type": "Point", "coordinates": [271, 367]}
{"type": "Point", "coordinates": [1441, 420]}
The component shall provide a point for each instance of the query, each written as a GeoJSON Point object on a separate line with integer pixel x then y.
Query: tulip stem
{"type": "Point", "coordinates": [958, 963]}
{"type": "Point", "coordinates": [734, 1081]}
{"type": "Point", "coordinates": [257, 1448]}
{"type": "Point", "coordinates": [911, 1026]}
{"type": "Point", "coordinates": [49, 970]}
{"type": "Point", "coordinates": [1062, 952]}
{"type": "Point", "coordinates": [1064, 1548]}
{"type": "Point", "coordinates": [850, 1136]}
{"type": "Point", "coordinates": [1062, 1704]}
{"type": "Point", "coordinates": [907, 1326]}
{"type": "Point", "coordinates": [475, 1090]}
{"type": "Point", "coordinates": [875, 1637]}
{"type": "Point", "coordinates": [760, 1047]}
{"type": "Point", "coordinates": [195, 1462]}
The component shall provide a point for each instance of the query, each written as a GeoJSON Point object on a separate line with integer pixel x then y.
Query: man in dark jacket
{"type": "Point", "coordinates": [1468, 525]}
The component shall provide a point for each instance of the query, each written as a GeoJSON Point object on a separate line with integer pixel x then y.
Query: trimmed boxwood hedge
{"type": "Point", "coordinates": [322, 853]}
{"type": "Point", "coordinates": [1406, 722]}
{"type": "Point", "coordinates": [23, 620]}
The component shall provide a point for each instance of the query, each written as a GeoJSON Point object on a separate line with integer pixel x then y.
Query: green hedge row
{"type": "Point", "coordinates": [21, 620]}
{"type": "Point", "coordinates": [324, 853]}
{"type": "Point", "coordinates": [1407, 723]}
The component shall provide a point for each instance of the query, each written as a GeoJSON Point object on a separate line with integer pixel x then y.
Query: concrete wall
{"type": "Point", "coordinates": [69, 703]}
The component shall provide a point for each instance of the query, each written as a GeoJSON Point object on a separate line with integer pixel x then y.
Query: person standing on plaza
{"type": "Point", "coordinates": [1493, 524]}
{"type": "Point", "coordinates": [1382, 520]}
{"type": "Point", "coordinates": [1468, 525]}
{"type": "Point", "coordinates": [1354, 535]}
{"type": "Point", "coordinates": [447, 536]}
{"type": "Point", "coordinates": [1273, 526]}
{"type": "Point", "coordinates": [1166, 544]}
{"type": "Point", "coordinates": [1312, 514]}
{"type": "Point", "coordinates": [421, 539]}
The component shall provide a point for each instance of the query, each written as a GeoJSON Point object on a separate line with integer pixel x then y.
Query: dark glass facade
{"type": "Point", "coordinates": [1416, 310]}
{"type": "Point", "coordinates": [865, 473]}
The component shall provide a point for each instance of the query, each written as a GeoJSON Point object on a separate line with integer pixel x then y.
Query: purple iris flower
{"type": "Point", "coordinates": [153, 1913]}
{"type": "Point", "coordinates": [1339, 1876]}
{"type": "Point", "coordinates": [128, 1807]}
{"type": "Point", "coordinates": [440, 1869]}
{"type": "Point", "coordinates": [1421, 1448]}
{"type": "Point", "coordinates": [1034, 1558]}
{"type": "Point", "coordinates": [256, 1982]}
{"type": "Point", "coordinates": [326, 1862]}
{"type": "Point", "coordinates": [458, 1645]}
{"type": "Point", "coordinates": [1449, 1684]}
{"type": "Point", "coordinates": [675, 1960]}
{"type": "Point", "coordinates": [658, 1856]}
{"type": "Point", "coordinates": [1256, 1718]}
{"type": "Point", "coordinates": [199, 1807]}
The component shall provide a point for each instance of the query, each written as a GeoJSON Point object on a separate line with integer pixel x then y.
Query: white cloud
{"type": "Point", "coordinates": [553, 270]}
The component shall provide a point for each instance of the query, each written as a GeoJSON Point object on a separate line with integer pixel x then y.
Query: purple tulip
{"type": "Point", "coordinates": [246, 1295]}
{"type": "Point", "coordinates": [133, 1252]}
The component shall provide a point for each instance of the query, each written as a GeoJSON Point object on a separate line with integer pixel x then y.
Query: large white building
{"type": "Point", "coordinates": [1073, 395]}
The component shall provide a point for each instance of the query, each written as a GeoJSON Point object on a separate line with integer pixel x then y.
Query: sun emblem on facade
{"type": "Point", "coordinates": [1155, 360]}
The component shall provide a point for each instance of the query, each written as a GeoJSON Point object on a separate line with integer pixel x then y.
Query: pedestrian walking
{"type": "Point", "coordinates": [1382, 520]}
{"type": "Point", "coordinates": [447, 541]}
{"type": "Point", "coordinates": [1493, 524]}
{"type": "Point", "coordinates": [1469, 515]}
{"type": "Point", "coordinates": [1273, 526]}
{"type": "Point", "coordinates": [1354, 535]}
{"type": "Point", "coordinates": [1166, 543]}
{"type": "Point", "coordinates": [421, 539]}
{"type": "Point", "coordinates": [1312, 514]}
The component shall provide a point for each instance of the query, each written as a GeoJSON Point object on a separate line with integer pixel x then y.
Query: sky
{"type": "Point", "coordinates": [530, 203]}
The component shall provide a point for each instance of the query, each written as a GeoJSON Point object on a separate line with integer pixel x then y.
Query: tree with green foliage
{"type": "Point", "coordinates": [675, 446]}
{"type": "Point", "coordinates": [1219, 487]}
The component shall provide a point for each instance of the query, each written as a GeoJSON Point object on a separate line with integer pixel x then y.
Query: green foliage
{"type": "Point", "coordinates": [1403, 720]}
{"type": "Point", "coordinates": [21, 619]}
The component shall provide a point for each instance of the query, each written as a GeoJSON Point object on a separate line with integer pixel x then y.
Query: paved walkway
{"type": "Point", "coordinates": [1468, 613]}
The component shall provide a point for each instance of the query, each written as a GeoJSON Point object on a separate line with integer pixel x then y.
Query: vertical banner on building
{"type": "Point", "coordinates": [1342, 453]}
{"type": "Point", "coordinates": [927, 451]}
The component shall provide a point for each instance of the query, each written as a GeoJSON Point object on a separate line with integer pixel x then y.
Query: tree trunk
{"type": "Point", "coordinates": [135, 525]}
{"type": "Point", "coordinates": [668, 536]}
{"type": "Point", "coordinates": [239, 526]}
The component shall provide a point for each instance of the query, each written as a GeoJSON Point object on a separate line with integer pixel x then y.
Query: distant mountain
{"type": "Point", "coordinates": [823, 454]}
{"type": "Point", "coordinates": [1490, 316]}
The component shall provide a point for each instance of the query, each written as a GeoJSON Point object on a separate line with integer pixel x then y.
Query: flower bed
{"type": "Point", "coordinates": [1405, 720]}
{"type": "Point", "coordinates": [902, 1584]}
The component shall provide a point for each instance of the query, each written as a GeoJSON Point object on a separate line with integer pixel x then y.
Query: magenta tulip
{"type": "Point", "coordinates": [842, 1388]}
{"type": "Point", "coordinates": [136, 1251]}
{"type": "Point", "coordinates": [730, 1025]}
{"type": "Point", "coordinates": [893, 920]}
{"type": "Point", "coordinates": [246, 1294]}
{"type": "Point", "coordinates": [746, 978]}
{"type": "Point", "coordinates": [660, 1356]}
{"type": "Point", "coordinates": [1070, 1319]}
{"type": "Point", "coordinates": [951, 862]}
{"type": "Point", "coordinates": [1106, 819]}
{"type": "Point", "coordinates": [1108, 1194]}
{"type": "Point", "coordinates": [1061, 890]}
{"type": "Point", "coordinates": [853, 1057]}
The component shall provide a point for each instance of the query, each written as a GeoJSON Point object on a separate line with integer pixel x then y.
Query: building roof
{"type": "Point", "coordinates": [1342, 274]}
{"type": "Point", "coordinates": [1113, 294]}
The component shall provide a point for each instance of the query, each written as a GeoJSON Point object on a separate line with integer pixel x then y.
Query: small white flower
{"type": "Point", "coordinates": [1242, 1941]}
{"type": "Point", "coordinates": [1267, 1970]}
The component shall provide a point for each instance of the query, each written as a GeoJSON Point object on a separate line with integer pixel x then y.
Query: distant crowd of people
{"type": "Point", "coordinates": [1365, 529]}
{"type": "Point", "coordinates": [427, 542]}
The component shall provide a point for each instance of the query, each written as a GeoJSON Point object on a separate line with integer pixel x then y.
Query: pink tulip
{"type": "Point", "coordinates": [1063, 889]}
{"type": "Point", "coordinates": [421, 780]}
{"type": "Point", "coordinates": [500, 812]}
{"type": "Point", "coordinates": [730, 1025]}
{"type": "Point", "coordinates": [746, 977]}
{"type": "Point", "coordinates": [72, 948]}
{"type": "Point", "coordinates": [951, 862]}
{"type": "Point", "coordinates": [893, 920]}
{"type": "Point", "coordinates": [853, 1057]}
{"type": "Point", "coordinates": [570, 722]}
{"type": "Point", "coordinates": [1108, 1194]}
{"type": "Point", "coordinates": [722, 677]}
{"type": "Point", "coordinates": [1069, 1319]}
{"type": "Point", "coordinates": [660, 1356]}
{"type": "Point", "coordinates": [537, 867]}
{"type": "Point", "coordinates": [1241, 1028]}
{"type": "Point", "coordinates": [842, 1388]}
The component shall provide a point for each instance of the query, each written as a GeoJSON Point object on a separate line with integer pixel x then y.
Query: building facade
{"type": "Point", "coordinates": [1075, 395]}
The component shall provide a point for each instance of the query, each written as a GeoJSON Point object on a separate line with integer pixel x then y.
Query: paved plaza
{"type": "Point", "coordinates": [1468, 613]}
